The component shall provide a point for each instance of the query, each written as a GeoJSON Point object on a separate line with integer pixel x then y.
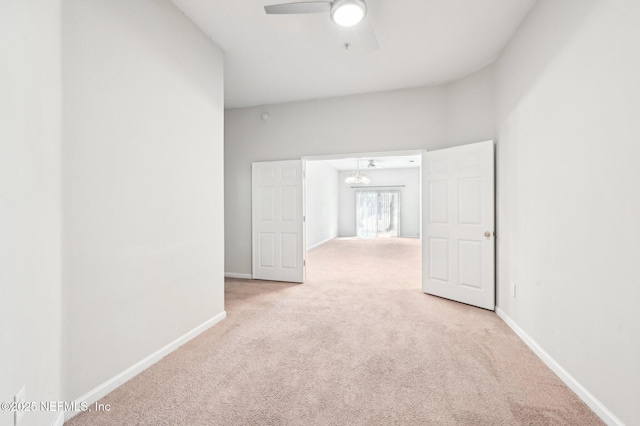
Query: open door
{"type": "Point", "coordinates": [278, 247]}
{"type": "Point", "coordinates": [458, 244]}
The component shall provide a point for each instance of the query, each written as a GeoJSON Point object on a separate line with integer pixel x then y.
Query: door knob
{"type": "Point", "coordinates": [487, 234]}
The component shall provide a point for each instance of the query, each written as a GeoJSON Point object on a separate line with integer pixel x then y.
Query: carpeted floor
{"type": "Point", "coordinates": [358, 344]}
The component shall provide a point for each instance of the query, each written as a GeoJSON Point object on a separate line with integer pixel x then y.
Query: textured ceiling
{"type": "Point", "coordinates": [280, 58]}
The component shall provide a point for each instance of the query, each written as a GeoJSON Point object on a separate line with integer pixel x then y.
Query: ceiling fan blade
{"type": "Point", "coordinates": [369, 35]}
{"type": "Point", "coordinates": [300, 7]}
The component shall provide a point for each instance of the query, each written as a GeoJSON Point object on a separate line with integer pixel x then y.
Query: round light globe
{"type": "Point", "coordinates": [348, 13]}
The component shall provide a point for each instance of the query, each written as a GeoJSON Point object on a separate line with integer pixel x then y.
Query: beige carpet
{"type": "Point", "coordinates": [358, 344]}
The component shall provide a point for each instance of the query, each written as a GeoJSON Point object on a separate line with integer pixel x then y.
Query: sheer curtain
{"type": "Point", "coordinates": [377, 213]}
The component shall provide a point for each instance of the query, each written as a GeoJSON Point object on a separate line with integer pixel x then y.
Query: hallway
{"type": "Point", "coordinates": [359, 343]}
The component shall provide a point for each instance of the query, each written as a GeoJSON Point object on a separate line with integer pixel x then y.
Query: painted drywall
{"type": "Point", "coordinates": [409, 200]}
{"type": "Point", "coordinates": [322, 203]}
{"type": "Point", "coordinates": [143, 184]}
{"type": "Point", "coordinates": [30, 135]}
{"type": "Point", "coordinates": [568, 97]}
{"type": "Point", "coordinates": [422, 118]}
{"type": "Point", "coordinates": [471, 109]}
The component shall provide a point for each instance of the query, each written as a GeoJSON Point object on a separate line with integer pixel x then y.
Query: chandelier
{"type": "Point", "coordinates": [357, 176]}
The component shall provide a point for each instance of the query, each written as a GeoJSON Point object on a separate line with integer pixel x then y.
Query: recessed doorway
{"type": "Point", "coordinates": [358, 203]}
{"type": "Point", "coordinates": [456, 185]}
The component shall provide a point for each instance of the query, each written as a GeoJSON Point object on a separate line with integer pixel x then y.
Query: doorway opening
{"type": "Point", "coordinates": [458, 246]}
{"type": "Point", "coordinates": [365, 196]}
{"type": "Point", "coordinates": [385, 203]}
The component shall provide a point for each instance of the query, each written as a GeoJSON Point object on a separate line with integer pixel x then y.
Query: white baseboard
{"type": "Point", "coordinates": [95, 394]}
{"type": "Point", "coordinates": [607, 416]}
{"type": "Point", "coordinates": [236, 275]}
{"type": "Point", "coordinates": [320, 243]}
{"type": "Point", "coordinates": [59, 420]}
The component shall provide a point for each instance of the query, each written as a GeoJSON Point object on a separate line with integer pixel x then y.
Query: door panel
{"type": "Point", "coordinates": [439, 259]}
{"type": "Point", "coordinates": [458, 259]}
{"type": "Point", "coordinates": [277, 218]}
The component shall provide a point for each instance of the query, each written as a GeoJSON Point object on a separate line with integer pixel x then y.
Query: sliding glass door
{"type": "Point", "coordinates": [377, 213]}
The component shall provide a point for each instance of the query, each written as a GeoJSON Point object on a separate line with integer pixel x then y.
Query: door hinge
{"type": "Point", "coordinates": [304, 218]}
{"type": "Point", "coordinates": [304, 262]}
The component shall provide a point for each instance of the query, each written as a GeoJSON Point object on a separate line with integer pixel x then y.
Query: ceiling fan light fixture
{"type": "Point", "coordinates": [348, 13]}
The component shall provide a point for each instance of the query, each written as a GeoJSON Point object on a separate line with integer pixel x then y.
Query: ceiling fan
{"type": "Point", "coordinates": [345, 13]}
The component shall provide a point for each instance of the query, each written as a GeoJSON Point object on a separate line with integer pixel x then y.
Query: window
{"type": "Point", "coordinates": [377, 213]}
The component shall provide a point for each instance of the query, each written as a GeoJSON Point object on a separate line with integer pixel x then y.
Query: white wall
{"type": "Point", "coordinates": [471, 109]}
{"type": "Point", "coordinates": [409, 200]}
{"type": "Point", "coordinates": [30, 282]}
{"type": "Point", "coordinates": [322, 203]}
{"type": "Point", "coordinates": [568, 191]}
{"type": "Point", "coordinates": [143, 184]}
{"type": "Point", "coordinates": [387, 121]}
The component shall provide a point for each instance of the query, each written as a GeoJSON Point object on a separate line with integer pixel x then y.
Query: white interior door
{"type": "Point", "coordinates": [458, 245]}
{"type": "Point", "coordinates": [278, 247]}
